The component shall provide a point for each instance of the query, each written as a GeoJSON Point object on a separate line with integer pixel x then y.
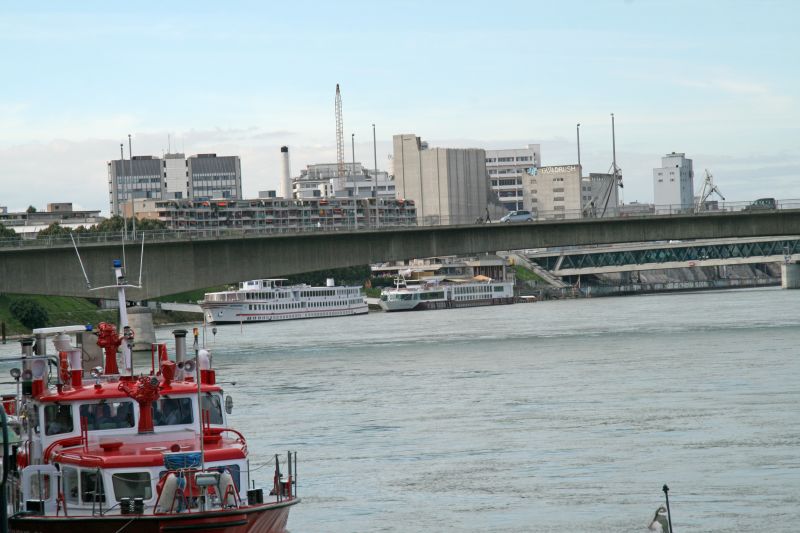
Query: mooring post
{"type": "Point", "coordinates": [3, 331]}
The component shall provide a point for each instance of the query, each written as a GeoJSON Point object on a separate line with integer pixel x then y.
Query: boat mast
{"type": "Point", "coordinates": [123, 317]}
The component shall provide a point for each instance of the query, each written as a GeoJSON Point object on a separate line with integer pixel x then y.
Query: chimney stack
{"type": "Point", "coordinates": [286, 176]}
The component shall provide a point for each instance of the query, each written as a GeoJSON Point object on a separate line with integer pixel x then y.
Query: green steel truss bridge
{"type": "Point", "coordinates": [665, 255]}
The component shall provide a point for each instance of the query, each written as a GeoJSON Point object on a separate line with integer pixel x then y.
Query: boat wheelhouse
{"type": "Point", "coordinates": [270, 299]}
{"type": "Point", "coordinates": [109, 448]}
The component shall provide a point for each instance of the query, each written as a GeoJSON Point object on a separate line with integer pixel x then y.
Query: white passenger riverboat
{"type": "Point", "coordinates": [264, 300]}
{"type": "Point", "coordinates": [434, 294]}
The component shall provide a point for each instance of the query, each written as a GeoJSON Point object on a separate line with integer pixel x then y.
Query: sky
{"type": "Point", "coordinates": [718, 80]}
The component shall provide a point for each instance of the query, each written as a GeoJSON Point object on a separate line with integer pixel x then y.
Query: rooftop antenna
{"type": "Point", "coordinates": [169, 149]}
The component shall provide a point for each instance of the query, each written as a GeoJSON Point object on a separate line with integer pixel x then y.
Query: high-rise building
{"type": "Point", "coordinates": [128, 179]}
{"type": "Point", "coordinates": [448, 185]}
{"type": "Point", "coordinates": [323, 180]}
{"type": "Point", "coordinates": [506, 170]}
{"type": "Point", "coordinates": [212, 176]}
{"type": "Point", "coordinates": [202, 176]}
{"type": "Point", "coordinates": [673, 183]}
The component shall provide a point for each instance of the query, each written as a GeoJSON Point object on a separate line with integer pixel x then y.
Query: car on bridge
{"type": "Point", "coordinates": [518, 216]}
{"type": "Point", "coordinates": [761, 204]}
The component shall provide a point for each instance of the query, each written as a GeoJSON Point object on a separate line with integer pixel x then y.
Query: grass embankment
{"type": "Point", "coordinates": [524, 274]}
{"type": "Point", "coordinates": [61, 311]}
{"type": "Point", "coordinates": [64, 311]}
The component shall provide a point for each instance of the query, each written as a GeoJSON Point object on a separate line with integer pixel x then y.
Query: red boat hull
{"type": "Point", "coordinates": [266, 518]}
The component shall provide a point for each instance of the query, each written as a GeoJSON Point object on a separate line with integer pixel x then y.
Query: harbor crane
{"type": "Point", "coordinates": [705, 193]}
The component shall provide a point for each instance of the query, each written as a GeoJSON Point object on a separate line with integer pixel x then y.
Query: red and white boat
{"type": "Point", "coordinates": [146, 450]}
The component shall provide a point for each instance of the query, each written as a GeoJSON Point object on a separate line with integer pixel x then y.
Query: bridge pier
{"type": "Point", "coordinates": [790, 275]}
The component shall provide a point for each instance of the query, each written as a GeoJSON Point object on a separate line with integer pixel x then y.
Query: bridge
{"type": "Point", "coordinates": [181, 263]}
{"type": "Point", "coordinates": [666, 255]}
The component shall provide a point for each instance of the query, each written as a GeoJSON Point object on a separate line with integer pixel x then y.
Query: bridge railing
{"type": "Point", "coordinates": [238, 228]}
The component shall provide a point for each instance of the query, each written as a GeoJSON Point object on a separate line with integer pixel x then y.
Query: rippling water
{"type": "Point", "coordinates": [556, 416]}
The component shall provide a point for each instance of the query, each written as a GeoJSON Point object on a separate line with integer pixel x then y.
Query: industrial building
{"type": "Point", "coordinates": [323, 180]}
{"type": "Point", "coordinates": [507, 168]}
{"type": "Point", "coordinates": [556, 192]}
{"type": "Point", "coordinates": [279, 214]}
{"type": "Point", "coordinates": [202, 176]}
{"type": "Point", "coordinates": [448, 185]}
{"type": "Point", "coordinates": [673, 184]}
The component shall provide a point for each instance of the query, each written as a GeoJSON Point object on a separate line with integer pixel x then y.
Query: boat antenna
{"type": "Point", "coordinates": [88, 284]}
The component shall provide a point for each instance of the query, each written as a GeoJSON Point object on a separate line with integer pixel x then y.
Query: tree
{"type": "Point", "coordinates": [30, 313]}
{"type": "Point", "coordinates": [8, 233]}
{"type": "Point", "coordinates": [30, 209]}
{"type": "Point", "coordinates": [53, 230]}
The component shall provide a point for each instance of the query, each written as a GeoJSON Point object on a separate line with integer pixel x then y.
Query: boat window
{"type": "Point", "coordinates": [233, 469]}
{"type": "Point", "coordinates": [58, 419]}
{"type": "Point", "coordinates": [132, 485]}
{"type": "Point", "coordinates": [36, 493]}
{"type": "Point", "coordinates": [107, 415]}
{"type": "Point", "coordinates": [69, 480]}
{"type": "Point", "coordinates": [498, 288]}
{"type": "Point", "coordinates": [172, 411]}
{"type": "Point", "coordinates": [92, 486]}
{"type": "Point", "coordinates": [213, 404]}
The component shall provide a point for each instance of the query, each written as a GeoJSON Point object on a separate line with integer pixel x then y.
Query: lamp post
{"type": "Point", "coordinates": [353, 175]}
{"type": "Point", "coordinates": [133, 205]}
{"type": "Point", "coordinates": [375, 176]}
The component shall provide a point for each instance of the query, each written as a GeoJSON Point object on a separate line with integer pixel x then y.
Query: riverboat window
{"type": "Point", "coordinates": [498, 288]}
{"type": "Point", "coordinates": [172, 411]}
{"type": "Point", "coordinates": [233, 469]}
{"type": "Point", "coordinates": [57, 419]}
{"type": "Point", "coordinates": [92, 487]}
{"type": "Point", "coordinates": [132, 485]}
{"type": "Point", "coordinates": [44, 492]}
{"type": "Point", "coordinates": [107, 415]}
{"type": "Point", "coordinates": [213, 404]}
{"type": "Point", "coordinates": [69, 480]}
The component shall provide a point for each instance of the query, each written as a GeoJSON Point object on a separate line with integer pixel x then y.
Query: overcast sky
{"type": "Point", "coordinates": [715, 79]}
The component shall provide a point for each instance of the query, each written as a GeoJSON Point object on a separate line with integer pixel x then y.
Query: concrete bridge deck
{"type": "Point", "coordinates": [177, 265]}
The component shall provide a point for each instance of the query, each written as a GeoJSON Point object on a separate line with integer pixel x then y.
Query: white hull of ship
{"type": "Point", "coordinates": [239, 313]}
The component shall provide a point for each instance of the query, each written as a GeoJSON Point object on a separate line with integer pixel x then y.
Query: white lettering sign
{"type": "Point", "coordinates": [558, 170]}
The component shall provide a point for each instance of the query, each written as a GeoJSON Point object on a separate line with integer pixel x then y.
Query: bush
{"type": "Point", "coordinates": [29, 313]}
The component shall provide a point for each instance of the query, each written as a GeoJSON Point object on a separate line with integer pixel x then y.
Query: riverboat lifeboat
{"type": "Point", "coordinates": [119, 451]}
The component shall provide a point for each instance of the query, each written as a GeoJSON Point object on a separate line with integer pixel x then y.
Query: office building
{"type": "Point", "coordinates": [506, 170]}
{"type": "Point", "coordinates": [202, 176]}
{"type": "Point", "coordinates": [448, 185]}
{"type": "Point", "coordinates": [673, 184]}
{"type": "Point", "coordinates": [323, 181]}
{"type": "Point", "coordinates": [140, 177]}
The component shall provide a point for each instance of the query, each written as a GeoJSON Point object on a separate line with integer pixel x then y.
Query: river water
{"type": "Point", "coordinates": [555, 416]}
